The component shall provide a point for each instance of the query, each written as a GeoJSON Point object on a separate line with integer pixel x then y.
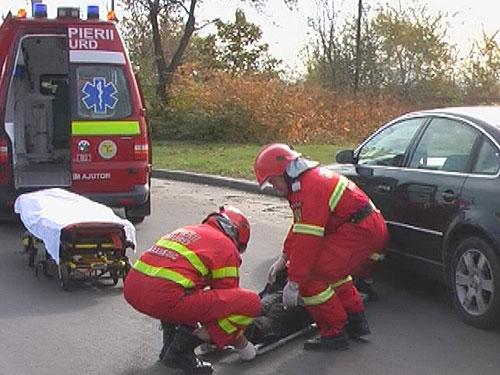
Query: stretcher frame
{"type": "Point", "coordinates": [88, 251]}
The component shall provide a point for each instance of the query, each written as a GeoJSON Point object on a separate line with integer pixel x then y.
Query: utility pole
{"type": "Point", "coordinates": [358, 42]}
{"type": "Point", "coordinates": [112, 4]}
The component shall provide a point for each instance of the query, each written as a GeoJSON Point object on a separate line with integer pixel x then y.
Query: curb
{"type": "Point", "coordinates": [206, 179]}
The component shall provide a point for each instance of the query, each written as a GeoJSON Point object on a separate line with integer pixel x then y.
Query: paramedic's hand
{"type": "Point", "coordinates": [290, 294]}
{"type": "Point", "coordinates": [276, 267]}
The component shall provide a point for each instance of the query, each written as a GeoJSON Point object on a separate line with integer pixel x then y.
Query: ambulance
{"type": "Point", "coordinates": [71, 111]}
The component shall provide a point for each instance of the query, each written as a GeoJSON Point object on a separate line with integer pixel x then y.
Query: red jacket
{"type": "Point", "coordinates": [191, 257]}
{"type": "Point", "coordinates": [321, 200]}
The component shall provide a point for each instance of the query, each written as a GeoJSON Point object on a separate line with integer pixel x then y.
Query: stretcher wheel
{"type": "Point", "coordinates": [114, 276]}
{"type": "Point", "coordinates": [64, 277]}
{"type": "Point", "coordinates": [125, 271]}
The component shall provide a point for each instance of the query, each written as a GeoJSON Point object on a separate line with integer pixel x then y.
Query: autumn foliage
{"type": "Point", "coordinates": [260, 108]}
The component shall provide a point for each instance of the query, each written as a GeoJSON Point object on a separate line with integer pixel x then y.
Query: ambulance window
{"type": "Point", "coordinates": [102, 92]}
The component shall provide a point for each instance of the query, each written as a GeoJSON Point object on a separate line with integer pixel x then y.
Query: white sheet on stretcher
{"type": "Point", "coordinates": [46, 212]}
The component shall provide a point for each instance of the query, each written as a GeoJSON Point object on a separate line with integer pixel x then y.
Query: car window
{"type": "Point", "coordinates": [389, 145]}
{"type": "Point", "coordinates": [488, 159]}
{"type": "Point", "coordinates": [102, 92]}
{"type": "Point", "coordinates": [446, 145]}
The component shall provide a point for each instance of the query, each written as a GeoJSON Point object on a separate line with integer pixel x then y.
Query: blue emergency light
{"type": "Point", "coordinates": [92, 12]}
{"type": "Point", "coordinates": [40, 10]}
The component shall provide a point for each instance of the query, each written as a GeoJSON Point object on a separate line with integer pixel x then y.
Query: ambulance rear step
{"type": "Point", "coordinates": [34, 176]}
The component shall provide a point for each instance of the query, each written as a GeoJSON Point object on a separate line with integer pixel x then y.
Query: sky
{"type": "Point", "coordinates": [286, 30]}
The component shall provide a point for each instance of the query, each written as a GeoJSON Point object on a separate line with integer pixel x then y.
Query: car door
{"type": "Point", "coordinates": [379, 162]}
{"type": "Point", "coordinates": [427, 194]}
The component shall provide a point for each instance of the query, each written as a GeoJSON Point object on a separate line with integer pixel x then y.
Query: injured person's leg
{"type": "Point", "coordinates": [275, 322]}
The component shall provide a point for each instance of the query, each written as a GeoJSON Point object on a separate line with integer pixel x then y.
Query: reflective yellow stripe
{"type": "Point", "coordinates": [377, 257]}
{"type": "Point", "coordinates": [319, 298]}
{"type": "Point", "coordinates": [163, 273]}
{"type": "Point", "coordinates": [227, 326]}
{"type": "Point", "coordinates": [341, 282]}
{"type": "Point", "coordinates": [221, 273]}
{"type": "Point", "coordinates": [337, 192]}
{"type": "Point", "coordinates": [242, 320]}
{"type": "Point", "coordinates": [93, 245]}
{"type": "Point", "coordinates": [186, 253]}
{"type": "Point", "coordinates": [314, 230]}
{"type": "Point", "coordinates": [105, 128]}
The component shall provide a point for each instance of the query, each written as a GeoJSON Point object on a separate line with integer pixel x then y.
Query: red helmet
{"type": "Point", "coordinates": [234, 224]}
{"type": "Point", "coordinates": [272, 160]}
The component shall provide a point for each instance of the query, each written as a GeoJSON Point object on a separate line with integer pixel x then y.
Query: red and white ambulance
{"type": "Point", "coordinates": [71, 111]}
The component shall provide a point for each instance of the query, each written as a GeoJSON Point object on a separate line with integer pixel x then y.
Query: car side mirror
{"type": "Point", "coordinates": [345, 157]}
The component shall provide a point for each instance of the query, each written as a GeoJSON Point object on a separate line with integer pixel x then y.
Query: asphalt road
{"type": "Point", "coordinates": [92, 330]}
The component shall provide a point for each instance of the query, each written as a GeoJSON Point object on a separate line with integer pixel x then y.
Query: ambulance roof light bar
{"type": "Point", "coordinates": [93, 12]}
{"type": "Point", "coordinates": [40, 10]}
{"type": "Point", "coordinates": [68, 12]}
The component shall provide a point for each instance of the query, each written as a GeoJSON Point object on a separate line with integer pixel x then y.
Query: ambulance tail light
{"type": "Point", "coordinates": [40, 10]}
{"type": "Point", "coordinates": [4, 152]}
{"type": "Point", "coordinates": [141, 150]}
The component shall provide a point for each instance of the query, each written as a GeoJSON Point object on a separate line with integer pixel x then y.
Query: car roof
{"type": "Point", "coordinates": [487, 114]}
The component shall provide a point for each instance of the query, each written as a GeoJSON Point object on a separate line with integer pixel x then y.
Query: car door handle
{"type": "Point", "coordinates": [384, 188]}
{"type": "Point", "coordinates": [449, 195]}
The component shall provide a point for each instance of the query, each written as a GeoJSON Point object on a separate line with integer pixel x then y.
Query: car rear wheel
{"type": "Point", "coordinates": [475, 282]}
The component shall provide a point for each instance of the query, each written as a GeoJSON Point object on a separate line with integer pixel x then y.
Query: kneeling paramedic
{"type": "Point", "coordinates": [336, 228]}
{"type": "Point", "coordinates": [190, 281]}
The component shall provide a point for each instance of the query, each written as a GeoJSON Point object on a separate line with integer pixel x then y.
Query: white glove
{"type": "Point", "coordinates": [248, 352]}
{"type": "Point", "coordinates": [290, 294]}
{"type": "Point", "coordinates": [277, 266]}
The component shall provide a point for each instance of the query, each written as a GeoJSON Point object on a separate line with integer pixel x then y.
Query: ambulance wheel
{"type": "Point", "coordinates": [64, 277]}
{"type": "Point", "coordinates": [134, 219]}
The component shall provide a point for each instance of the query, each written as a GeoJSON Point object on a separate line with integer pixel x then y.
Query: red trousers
{"type": "Point", "coordinates": [164, 300]}
{"type": "Point", "coordinates": [342, 252]}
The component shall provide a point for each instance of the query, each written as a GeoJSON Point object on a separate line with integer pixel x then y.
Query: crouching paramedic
{"type": "Point", "coordinates": [190, 281]}
{"type": "Point", "coordinates": [336, 227]}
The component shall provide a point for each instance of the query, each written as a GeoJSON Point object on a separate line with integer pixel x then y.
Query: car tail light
{"type": "Point", "coordinates": [4, 152]}
{"type": "Point", "coordinates": [141, 150]}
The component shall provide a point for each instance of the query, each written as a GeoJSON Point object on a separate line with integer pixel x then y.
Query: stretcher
{"type": "Point", "coordinates": [262, 348]}
{"type": "Point", "coordinates": [74, 238]}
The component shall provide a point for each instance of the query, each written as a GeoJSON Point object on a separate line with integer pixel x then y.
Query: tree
{"type": "Point", "coordinates": [414, 50]}
{"type": "Point", "coordinates": [401, 51]}
{"type": "Point", "coordinates": [344, 56]}
{"type": "Point", "coordinates": [482, 70]}
{"type": "Point", "coordinates": [159, 11]}
{"type": "Point", "coordinates": [236, 47]}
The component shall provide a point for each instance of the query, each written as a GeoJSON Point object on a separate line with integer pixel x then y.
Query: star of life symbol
{"type": "Point", "coordinates": [100, 95]}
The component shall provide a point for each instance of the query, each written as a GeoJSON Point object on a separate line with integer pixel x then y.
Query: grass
{"type": "Point", "coordinates": [230, 160]}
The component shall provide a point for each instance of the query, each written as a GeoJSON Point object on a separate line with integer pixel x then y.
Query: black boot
{"type": "Point", "coordinates": [365, 288]}
{"type": "Point", "coordinates": [357, 325]}
{"type": "Point", "coordinates": [168, 331]}
{"type": "Point", "coordinates": [180, 353]}
{"type": "Point", "coordinates": [338, 342]}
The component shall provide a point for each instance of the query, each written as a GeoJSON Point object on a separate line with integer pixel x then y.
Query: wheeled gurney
{"type": "Point", "coordinates": [73, 237]}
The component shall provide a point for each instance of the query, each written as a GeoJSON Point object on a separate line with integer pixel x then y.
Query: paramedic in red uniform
{"type": "Point", "coordinates": [190, 281]}
{"type": "Point", "coordinates": [335, 229]}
